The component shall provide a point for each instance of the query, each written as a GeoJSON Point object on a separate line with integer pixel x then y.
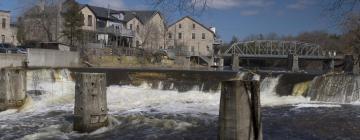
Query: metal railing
{"type": "Point", "coordinates": [271, 48]}
{"type": "Point", "coordinates": [116, 31]}
{"type": "Point", "coordinates": [112, 51]}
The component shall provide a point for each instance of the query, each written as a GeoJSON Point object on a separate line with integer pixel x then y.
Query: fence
{"type": "Point", "coordinates": [112, 51]}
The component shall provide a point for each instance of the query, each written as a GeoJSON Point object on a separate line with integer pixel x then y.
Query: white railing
{"type": "Point", "coordinates": [117, 31]}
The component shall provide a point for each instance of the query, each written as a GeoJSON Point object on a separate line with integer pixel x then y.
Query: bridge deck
{"type": "Point", "coordinates": [286, 57]}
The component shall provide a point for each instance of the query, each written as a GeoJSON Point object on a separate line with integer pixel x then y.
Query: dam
{"type": "Point", "coordinates": [160, 103]}
{"type": "Point", "coordinates": [144, 107]}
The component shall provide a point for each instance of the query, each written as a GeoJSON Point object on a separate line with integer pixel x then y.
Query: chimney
{"type": "Point", "coordinates": [213, 29]}
{"type": "Point", "coordinates": [41, 5]}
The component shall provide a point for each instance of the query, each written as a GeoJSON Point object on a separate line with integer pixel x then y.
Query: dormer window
{"type": "Point", "coordinates": [121, 16]}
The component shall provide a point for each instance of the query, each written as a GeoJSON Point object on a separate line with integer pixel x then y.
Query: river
{"type": "Point", "coordinates": [144, 112]}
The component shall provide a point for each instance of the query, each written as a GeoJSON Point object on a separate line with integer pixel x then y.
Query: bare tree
{"type": "Point", "coordinates": [193, 7]}
{"type": "Point", "coordinates": [337, 9]}
{"type": "Point", "coordinates": [40, 21]}
{"type": "Point", "coordinates": [351, 27]}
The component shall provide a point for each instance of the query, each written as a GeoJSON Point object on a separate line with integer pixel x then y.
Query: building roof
{"type": "Point", "coordinates": [4, 11]}
{"type": "Point", "coordinates": [143, 16]}
{"type": "Point", "coordinates": [207, 28]}
{"type": "Point", "coordinates": [102, 13]}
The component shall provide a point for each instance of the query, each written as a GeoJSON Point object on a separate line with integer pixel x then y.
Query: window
{"type": "Point", "coordinates": [194, 26]}
{"type": "Point", "coordinates": [203, 36]}
{"type": "Point", "coordinates": [90, 20]}
{"type": "Point", "coordinates": [192, 49]}
{"type": "Point", "coordinates": [131, 26]}
{"type": "Point", "coordinates": [170, 35]}
{"type": "Point", "coordinates": [180, 35]}
{"type": "Point", "coordinates": [2, 38]}
{"type": "Point", "coordinates": [137, 28]}
{"type": "Point", "coordinates": [137, 44]}
{"type": "Point", "coordinates": [193, 36]}
{"type": "Point", "coordinates": [180, 26]}
{"type": "Point", "coordinates": [4, 23]}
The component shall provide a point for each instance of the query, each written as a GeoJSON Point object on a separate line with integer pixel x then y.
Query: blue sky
{"type": "Point", "coordinates": [234, 17]}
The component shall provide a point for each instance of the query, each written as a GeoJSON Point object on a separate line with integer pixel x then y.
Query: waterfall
{"type": "Point", "coordinates": [337, 88]}
{"type": "Point", "coordinates": [269, 97]}
{"type": "Point", "coordinates": [49, 87]}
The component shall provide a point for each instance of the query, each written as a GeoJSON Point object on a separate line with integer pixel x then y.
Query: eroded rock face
{"type": "Point", "coordinates": [339, 88]}
{"type": "Point", "coordinates": [287, 82]}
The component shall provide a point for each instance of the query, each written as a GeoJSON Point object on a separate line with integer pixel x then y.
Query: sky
{"type": "Point", "coordinates": [239, 18]}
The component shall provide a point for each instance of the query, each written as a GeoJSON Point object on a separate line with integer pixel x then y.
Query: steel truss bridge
{"type": "Point", "coordinates": [278, 49]}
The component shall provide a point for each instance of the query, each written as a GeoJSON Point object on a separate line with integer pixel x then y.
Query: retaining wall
{"type": "Point", "coordinates": [11, 60]}
{"type": "Point", "coordinates": [52, 58]}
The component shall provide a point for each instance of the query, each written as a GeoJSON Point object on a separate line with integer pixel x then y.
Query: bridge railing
{"type": "Point", "coordinates": [275, 48]}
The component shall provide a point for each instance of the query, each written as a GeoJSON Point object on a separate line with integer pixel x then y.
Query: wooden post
{"type": "Point", "coordinates": [239, 117]}
{"type": "Point", "coordinates": [90, 102]}
{"type": "Point", "coordinates": [12, 88]}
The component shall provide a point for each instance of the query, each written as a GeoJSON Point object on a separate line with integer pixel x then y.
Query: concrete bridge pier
{"type": "Point", "coordinates": [356, 68]}
{"type": "Point", "coordinates": [328, 65]}
{"type": "Point", "coordinates": [235, 62]}
{"type": "Point", "coordinates": [90, 111]}
{"type": "Point", "coordinates": [293, 63]}
{"type": "Point", "coordinates": [239, 117]}
{"type": "Point", "coordinates": [351, 64]}
{"type": "Point", "coordinates": [221, 63]}
{"type": "Point", "coordinates": [12, 88]}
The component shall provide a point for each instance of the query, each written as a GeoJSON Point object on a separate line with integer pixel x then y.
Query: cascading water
{"type": "Point", "coordinates": [148, 111]}
{"type": "Point", "coordinates": [335, 88]}
{"type": "Point", "coordinates": [269, 96]}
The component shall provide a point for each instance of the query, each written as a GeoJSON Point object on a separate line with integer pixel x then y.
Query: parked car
{"type": "Point", "coordinates": [8, 48]}
{"type": "Point", "coordinates": [21, 50]}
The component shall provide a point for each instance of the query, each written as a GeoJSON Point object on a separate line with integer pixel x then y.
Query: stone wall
{"type": "Point", "coordinates": [187, 27]}
{"type": "Point", "coordinates": [12, 60]}
{"type": "Point", "coordinates": [52, 58]}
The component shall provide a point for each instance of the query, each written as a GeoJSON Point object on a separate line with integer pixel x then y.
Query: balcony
{"type": "Point", "coordinates": [116, 31]}
{"type": "Point", "coordinates": [217, 41]}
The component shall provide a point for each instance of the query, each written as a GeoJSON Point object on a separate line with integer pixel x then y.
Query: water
{"type": "Point", "coordinates": [144, 112]}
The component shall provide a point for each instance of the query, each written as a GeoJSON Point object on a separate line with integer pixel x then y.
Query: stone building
{"type": "Point", "coordinates": [191, 37]}
{"type": "Point", "coordinates": [108, 25]}
{"type": "Point", "coordinates": [149, 28]}
{"type": "Point", "coordinates": [7, 30]}
{"type": "Point", "coordinates": [140, 29]}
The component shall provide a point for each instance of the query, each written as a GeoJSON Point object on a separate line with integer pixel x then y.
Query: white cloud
{"type": "Point", "coordinates": [301, 4]}
{"type": "Point", "coordinates": [249, 12]}
{"type": "Point", "coordinates": [113, 4]}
